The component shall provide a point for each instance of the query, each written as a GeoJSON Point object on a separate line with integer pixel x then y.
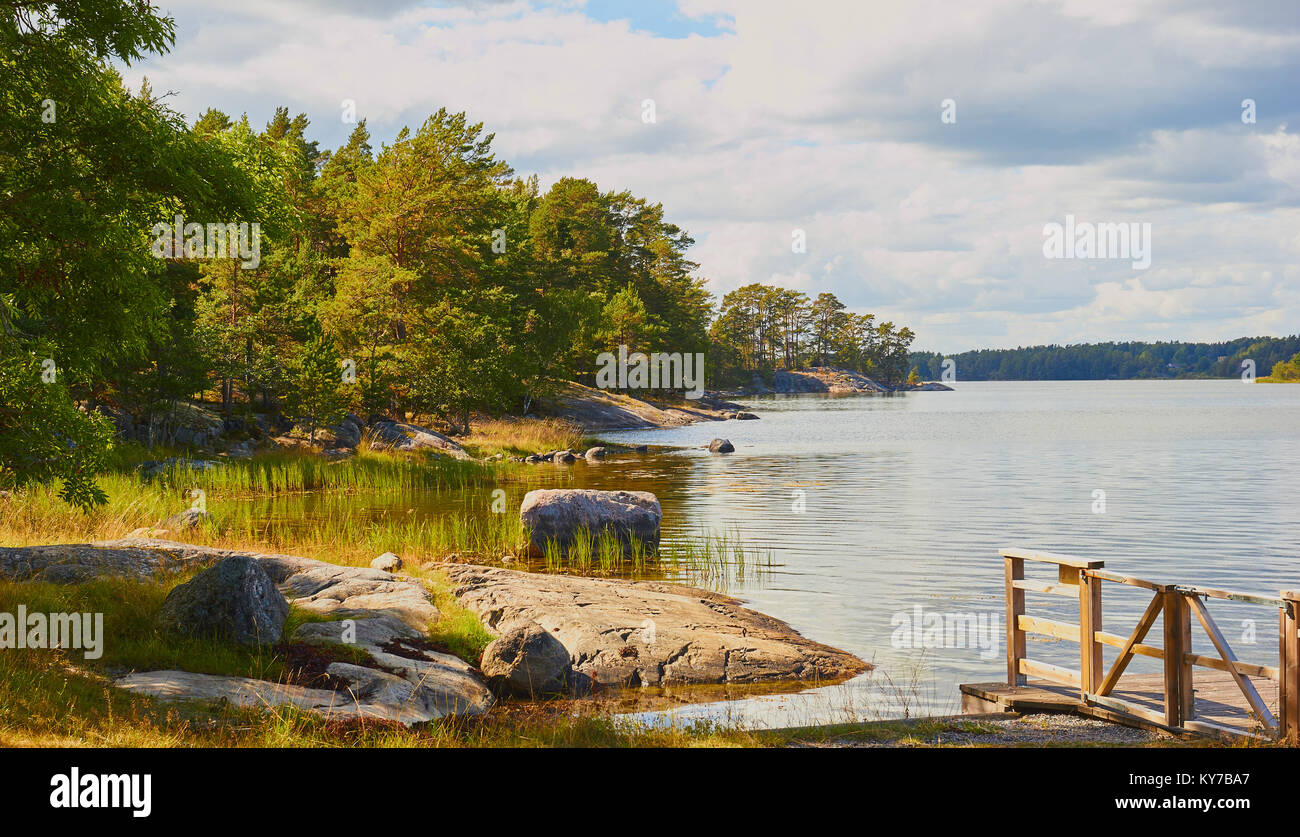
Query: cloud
{"type": "Point", "coordinates": [826, 117]}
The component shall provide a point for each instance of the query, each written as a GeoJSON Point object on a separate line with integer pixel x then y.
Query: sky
{"type": "Point", "coordinates": [919, 149]}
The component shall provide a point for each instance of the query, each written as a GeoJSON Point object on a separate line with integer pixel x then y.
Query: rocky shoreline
{"type": "Point", "coordinates": [555, 633]}
{"type": "Point", "coordinates": [826, 379]}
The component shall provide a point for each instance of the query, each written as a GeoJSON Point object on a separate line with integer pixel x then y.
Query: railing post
{"type": "Point", "coordinates": [1015, 571]}
{"type": "Point", "coordinates": [1288, 644]}
{"type": "Point", "coordinates": [1180, 699]}
{"type": "Point", "coordinates": [1090, 664]}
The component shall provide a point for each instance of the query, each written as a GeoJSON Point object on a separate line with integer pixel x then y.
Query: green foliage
{"type": "Point", "coordinates": [316, 398]}
{"type": "Point", "coordinates": [43, 435]}
{"type": "Point", "coordinates": [1286, 371]}
{"type": "Point", "coordinates": [760, 328]}
{"type": "Point", "coordinates": [1101, 361]}
{"type": "Point", "coordinates": [455, 287]}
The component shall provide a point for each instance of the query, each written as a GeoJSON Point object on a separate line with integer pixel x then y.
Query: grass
{"type": "Point", "coordinates": [57, 698]}
{"type": "Point", "coordinates": [522, 436]}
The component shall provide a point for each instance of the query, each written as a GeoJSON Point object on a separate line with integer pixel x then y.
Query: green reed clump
{"type": "Point", "coordinates": [719, 561]}
{"type": "Point", "coordinates": [292, 472]}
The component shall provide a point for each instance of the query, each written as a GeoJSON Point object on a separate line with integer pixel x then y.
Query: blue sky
{"type": "Point", "coordinates": [826, 118]}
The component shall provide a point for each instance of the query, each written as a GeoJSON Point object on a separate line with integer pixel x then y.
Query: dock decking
{"type": "Point", "coordinates": [1219, 701]}
{"type": "Point", "coordinates": [1197, 694]}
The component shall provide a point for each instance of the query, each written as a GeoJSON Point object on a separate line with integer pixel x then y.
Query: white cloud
{"type": "Point", "coordinates": [825, 117]}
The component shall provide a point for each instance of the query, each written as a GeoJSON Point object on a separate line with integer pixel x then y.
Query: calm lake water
{"type": "Point", "coordinates": [872, 510]}
{"type": "Point", "coordinates": [875, 507]}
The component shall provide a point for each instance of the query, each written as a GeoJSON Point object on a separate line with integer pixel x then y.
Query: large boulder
{"type": "Point", "coordinates": [559, 514]}
{"type": "Point", "coordinates": [347, 433]}
{"type": "Point", "coordinates": [398, 435]}
{"type": "Point", "coordinates": [527, 661]}
{"type": "Point", "coordinates": [235, 599]}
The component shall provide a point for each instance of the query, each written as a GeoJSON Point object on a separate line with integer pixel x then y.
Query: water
{"type": "Point", "coordinates": [872, 507]}
{"type": "Point", "coordinates": [907, 499]}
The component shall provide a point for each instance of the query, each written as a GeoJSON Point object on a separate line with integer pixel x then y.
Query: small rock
{"type": "Point", "coordinates": [388, 562]}
{"type": "Point", "coordinates": [743, 416]}
{"type": "Point", "coordinates": [186, 520]}
{"type": "Point", "coordinates": [641, 449]}
{"type": "Point", "coordinates": [527, 661]}
{"type": "Point", "coordinates": [721, 446]}
{"type": "Point", "coordinates": [234, 599]}
{"type": "Point", "coordinates": [146, 532]}
{"type": "Point", "coordinates": [595, 453]}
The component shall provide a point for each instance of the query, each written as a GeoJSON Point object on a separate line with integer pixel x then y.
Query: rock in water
{"type": "Point", "coordinates": [527, 661]}
{"type": "Point", "coordinates": [721, 446]}
{"type": "Point", "coordinates": [595, 453]}
{"type": "Point", "coordinates": [559, 514]}
{"type": "Point", "coordinates": [235, 599]}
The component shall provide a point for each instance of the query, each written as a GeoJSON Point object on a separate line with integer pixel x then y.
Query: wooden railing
{"type": "Point", "coordinates": [1082, 579]}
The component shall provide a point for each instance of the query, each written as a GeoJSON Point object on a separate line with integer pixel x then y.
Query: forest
{"type": "Point", "coordinates": [146, 261]}
{"type": "Point", "coordinates": [1102, 361]}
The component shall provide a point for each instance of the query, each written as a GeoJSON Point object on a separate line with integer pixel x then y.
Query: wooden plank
{"type": "Point", "coordinates": [1131, 708]}
{"type": "Point", "coordinates": [1225, 651]}
{"type": "Point", "coordinates": [1142, 650]}
{"type": "Point", "coordinates": [1015, 571]}
{"type": "Point", "coordinates": [1032, 586]}
{"type": "Point", "coordinates": [1126, 579]}
{"type": "Point", "coordinates": [1186, 671]}
{"type": "Point", "coordinates": [1090, 662]}
{"type": "Point", "coordinates": [1049, 627]}
{"type": "Point", "coordinates": [1047, 671]}
{"type": "Point", "coordinates": [1245, 668]}
{"type": "Point", "coordinates": [1212, 728]}
{"type": "Point", "coordinates": [1126, 651]}
{"type": "Point", "coordinates": [1229, 595]}
{"type": "Point", "coordinates": [1051, 558]}
{"type": "Point", "coordinates": [1175, 704]}
{"type": "Point", "coordinates": [1289, 663]}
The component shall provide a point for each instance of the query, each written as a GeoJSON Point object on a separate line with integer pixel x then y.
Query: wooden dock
{"type": "Point", "coordinates": [1219, 702]}
{"type": "Point", "coordinates": [1227, 697]}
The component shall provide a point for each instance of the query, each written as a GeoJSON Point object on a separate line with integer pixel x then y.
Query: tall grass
{"type": "Point", "coordinates": [291, 472]}
{"type": "Point", "coordinates": [516, 436]}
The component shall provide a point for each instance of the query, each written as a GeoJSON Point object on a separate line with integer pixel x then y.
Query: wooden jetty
{"type": "Point", "coordinates": [1232, 699]}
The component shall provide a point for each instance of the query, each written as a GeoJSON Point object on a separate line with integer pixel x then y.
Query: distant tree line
{"type": "Point", "coordinates": [1102, 361]}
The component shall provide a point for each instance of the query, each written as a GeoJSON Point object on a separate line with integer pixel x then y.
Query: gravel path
{"type": "Point", "coordinates": [1026, 730]}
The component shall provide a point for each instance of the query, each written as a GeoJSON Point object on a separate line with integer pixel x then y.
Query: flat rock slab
{"type": "Point", "coordinates": [621, 633]}
{"type": "Point", "coordinates": [410, 437]}
{"type": "Point", "coordinates": [376, 695]}
{"type": "Point", "coordinates": [384, 610]}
